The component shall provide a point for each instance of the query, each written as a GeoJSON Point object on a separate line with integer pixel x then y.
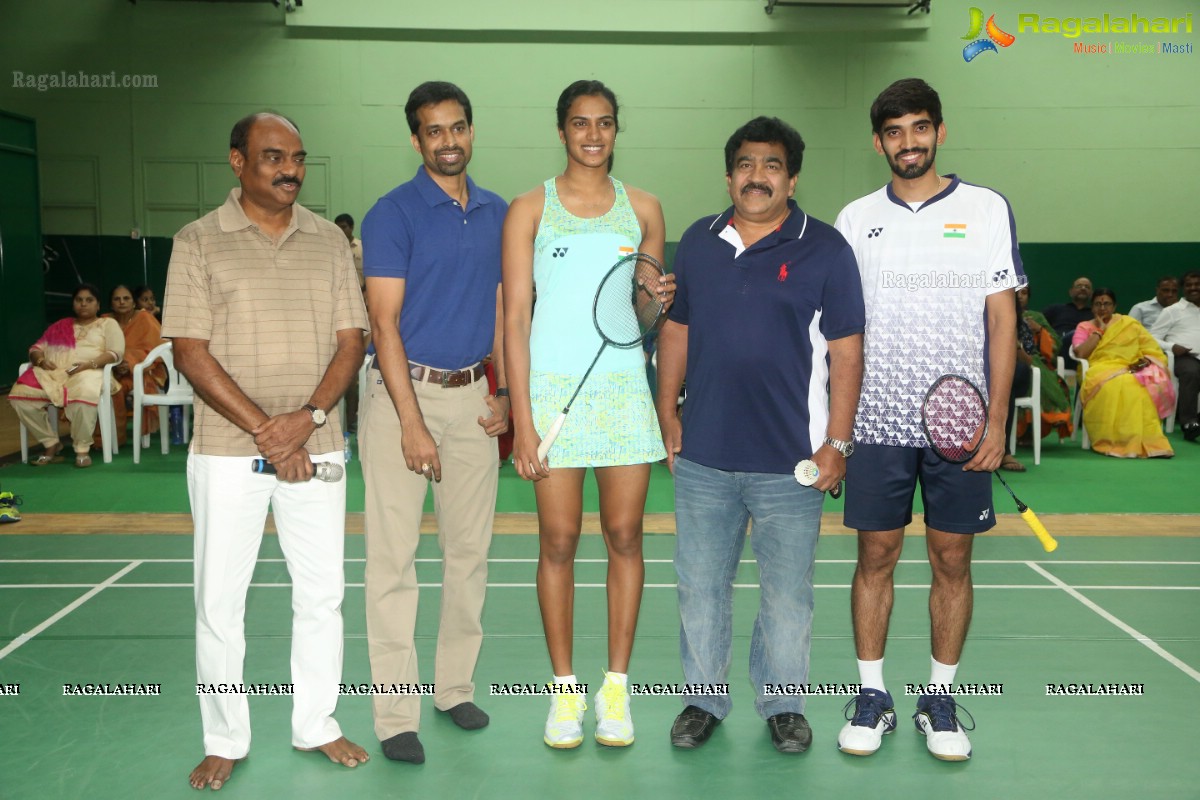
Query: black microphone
{"type": "Point", "coordinates": [322, 471]}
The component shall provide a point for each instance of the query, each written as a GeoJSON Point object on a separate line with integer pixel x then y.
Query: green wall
{"type": "Point", "coordinates": [20, 242]}
{"type": "Point", "coordinates": [1088, 149]}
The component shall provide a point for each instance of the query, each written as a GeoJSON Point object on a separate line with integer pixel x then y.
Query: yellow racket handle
{"type": "Point", "coordinates": [1038, 528]}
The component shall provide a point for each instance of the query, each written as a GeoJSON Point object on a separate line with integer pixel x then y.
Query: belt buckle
{"type": "Point", "coordinates": [446, 379]}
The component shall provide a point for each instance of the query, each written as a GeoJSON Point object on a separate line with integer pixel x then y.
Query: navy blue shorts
{"type": "Point", "coordinates": [881, 480]}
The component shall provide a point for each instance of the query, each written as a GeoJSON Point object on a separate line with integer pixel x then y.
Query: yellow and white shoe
{"type": "Point", "coordinates": [614, 725]}
{"type": "Point", "coordinates": [564, 725]}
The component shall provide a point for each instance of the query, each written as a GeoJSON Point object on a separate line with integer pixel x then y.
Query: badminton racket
{"type": "Point", "coordinates": [955, 418]}
{"type": "Point", "coordinates": [626, 308]}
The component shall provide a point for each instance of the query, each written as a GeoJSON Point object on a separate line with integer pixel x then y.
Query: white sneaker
{"type": "Point", "coordinates": [614, 725]}
{"type": "Point", "coordinates": [564, 725]}
{"type": "Point", "coordinates": [874, 715]}
{"type": "Point", "coordinates": [937, 720]}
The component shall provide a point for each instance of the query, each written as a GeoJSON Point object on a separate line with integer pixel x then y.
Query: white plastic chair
{"type": "Point", "coordinates": [106, 416]}
{"type": "Point", "coordinates": [179, 393]}
{"type": "Point", "coordinates": [108, 428]}
{"type": "Point", "coordinates": [1034, 403]}
{"type": "Point", "coordinates": [362, 391]}
{"type": "Point", "coordinates": [51, 415]}
{"type": "Point", "coordinates": [362, 397]}
{"type": "Point", "coordinates": [1071, 378]}
{"type": "Point", "coordinates": [1169, 422]}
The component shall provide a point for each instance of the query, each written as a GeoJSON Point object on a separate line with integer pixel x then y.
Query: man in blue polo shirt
{"type": "Point", "coordinates": [431, 256]}
{"type": "Point", "coordinates": [767, 326]}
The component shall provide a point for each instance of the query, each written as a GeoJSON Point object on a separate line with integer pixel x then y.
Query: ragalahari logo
{"type": "Point", "coordinates": [995, 36]}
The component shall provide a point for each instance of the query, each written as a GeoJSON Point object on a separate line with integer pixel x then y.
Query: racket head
{"type": "Point", "coordinates": [954, 417]}
{"type": "Point", "coordinates": [627, 307]}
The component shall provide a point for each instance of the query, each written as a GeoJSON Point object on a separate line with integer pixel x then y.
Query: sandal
{"type": "Point", "coordinates": [1011, 464]}
{"type": "Point", "coordinates": [47, 458]}
{"type": "Point", "coordinates": [83, 460]}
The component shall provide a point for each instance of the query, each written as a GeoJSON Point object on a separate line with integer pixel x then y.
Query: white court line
{"type": "Point", "coordinates": [95, 590]}
{"type": "Point", "coordinates": [976, 562]}
{"type": "Point", "coordinates": [1154, 646]}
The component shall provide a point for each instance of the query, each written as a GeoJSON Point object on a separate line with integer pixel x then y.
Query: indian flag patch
{"type": "Point", "coordinates": [954, 230]}
{"type": "Point", "coordinates": [625, 251]}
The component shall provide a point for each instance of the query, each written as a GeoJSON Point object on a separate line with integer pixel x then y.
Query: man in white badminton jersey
{"type": "Point", "coordinates": [939, 265]}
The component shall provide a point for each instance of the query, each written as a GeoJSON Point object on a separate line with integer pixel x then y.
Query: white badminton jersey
{"type": "Point", "coordinates": [926, 275]}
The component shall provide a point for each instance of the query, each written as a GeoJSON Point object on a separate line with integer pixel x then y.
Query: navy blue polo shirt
{"type": "Point", "coordinates": [450, 260]}
{"type": "Point", "coordinates": [759, 320]}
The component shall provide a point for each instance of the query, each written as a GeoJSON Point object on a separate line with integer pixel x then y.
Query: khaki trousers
{"type": "Point", "coordinates": [465, 503]}
{"type": "Point", "coordinates": [30, 405]}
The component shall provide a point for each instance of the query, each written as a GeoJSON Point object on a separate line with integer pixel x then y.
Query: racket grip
{"type": "Point", "coordinates": [1035, 525]}
{"type": "Point", "coordinates": [551, 435]}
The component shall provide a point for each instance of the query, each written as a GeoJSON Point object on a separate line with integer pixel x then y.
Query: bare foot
{"type": "Point", "coordinates": [212, 772]}
{"type": "Point", "coordinates": [341, 751]}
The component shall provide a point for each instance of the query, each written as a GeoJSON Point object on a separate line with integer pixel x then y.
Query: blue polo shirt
{"type": "Point", "coordinates": [450, 260]}
{"type": "Point", "coordinates": [759, 320]}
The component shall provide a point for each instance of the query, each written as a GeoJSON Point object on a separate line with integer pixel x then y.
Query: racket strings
{"type": "Point", "coordinates": [955, 417]}
{"type": "Point", "coordinates": [627, 306]}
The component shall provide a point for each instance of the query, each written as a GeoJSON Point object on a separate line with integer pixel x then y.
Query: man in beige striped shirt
{"type": "Point", "coordinates": [265, 312]}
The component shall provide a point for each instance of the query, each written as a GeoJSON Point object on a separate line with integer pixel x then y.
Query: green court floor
{"type": "Point", "coordinates": [118, 609]}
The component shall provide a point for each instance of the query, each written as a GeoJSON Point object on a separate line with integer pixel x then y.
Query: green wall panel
{"type": "Point", "coordinates": [1086, 148]}
{"type": "Point", "coordinates": [20, 243]}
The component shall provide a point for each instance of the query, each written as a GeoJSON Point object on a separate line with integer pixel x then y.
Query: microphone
{"type": "Point", "coordinates": [807, 474]}
{"type": "Point", "coordinates": [322, 470]}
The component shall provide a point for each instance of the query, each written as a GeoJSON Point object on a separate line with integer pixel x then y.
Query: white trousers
{"type": "Point", "coordinates": [229, 509]}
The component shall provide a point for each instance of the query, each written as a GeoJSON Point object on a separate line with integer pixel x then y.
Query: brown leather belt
{"type": "Point", "coordinates": [446, 379]}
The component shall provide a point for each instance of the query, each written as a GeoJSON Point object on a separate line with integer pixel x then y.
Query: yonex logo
{"type": "Point", "coordinates": [874, 232]}
{"type": "Point", "coordinates": [559, 251]}
{"type": "Point", "coordinates": [995, 36]}
{"type": "Point", "coordinates": [986, 513]}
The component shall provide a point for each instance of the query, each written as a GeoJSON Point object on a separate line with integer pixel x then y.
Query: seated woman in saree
{"type": "Point", "coordinates": [1041, 343]}
{"type": "Point", "coordinates": [67, 372]}
{"type": "Point", "coordinates": [1126, 390]}
{"type": "Point", "coordinates": [142, 334]}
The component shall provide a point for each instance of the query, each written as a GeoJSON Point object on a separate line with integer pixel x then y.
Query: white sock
{"type": "Point", "coordinates": [941, 674]}
{"type": "Point", "coordinates": [617, 677]}
{"type": "Point", "coordinates": [870, 674]}
{"type": "Point", "coordinates": [564, 679]}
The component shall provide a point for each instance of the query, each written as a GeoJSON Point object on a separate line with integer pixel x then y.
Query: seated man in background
{"type": "Point", "coordinates": [1178, 330]}
{"type": "Point", "coordinates": [1063, 317]}
{"type": "Point", "coordinates": [1166, 293]}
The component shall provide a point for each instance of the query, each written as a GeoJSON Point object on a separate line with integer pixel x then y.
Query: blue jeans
{"type": "Point", "coordinates": [712, 508]}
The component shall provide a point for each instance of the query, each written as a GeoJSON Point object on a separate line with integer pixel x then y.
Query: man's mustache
{"type": "Point", "coordinates": [758, 187]}
{"type": "Point", "coordinates": [288, 179]}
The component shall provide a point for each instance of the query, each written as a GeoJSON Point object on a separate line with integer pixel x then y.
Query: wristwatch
{"type": "Point", "coordinates": [318, 416]}
{"type": "Point", "coordinates": [845, 448]}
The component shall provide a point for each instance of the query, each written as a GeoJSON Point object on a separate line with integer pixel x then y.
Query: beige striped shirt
{"type": "Point", "coordinates": [269, 310]}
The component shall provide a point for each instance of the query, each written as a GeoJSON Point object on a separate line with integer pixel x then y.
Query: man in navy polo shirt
{"type": "Point", "coordinates": [767, 326]}
{"type": "Point", "coordinates": [431, 256]}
